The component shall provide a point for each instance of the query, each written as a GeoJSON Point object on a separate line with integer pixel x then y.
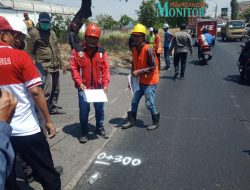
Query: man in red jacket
{"type": "Point", "coordinates": [90, 71]}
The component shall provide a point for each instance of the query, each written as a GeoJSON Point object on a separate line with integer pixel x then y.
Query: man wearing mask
{"type": "Point", "coordinates": [91, 71]}
{"type": "Point", "coordinates": [45, 50]}
{"type": "Point", "coordinates": [20, 77]}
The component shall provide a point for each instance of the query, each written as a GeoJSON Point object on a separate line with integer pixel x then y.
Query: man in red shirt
{"type": "Point", "coordinates": [20, 77]}
{"type": "Point", "coordinates": [90, 71]}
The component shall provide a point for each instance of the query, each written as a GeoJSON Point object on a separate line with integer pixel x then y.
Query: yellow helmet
{"type": "Point", "coordinates": [139, 28]}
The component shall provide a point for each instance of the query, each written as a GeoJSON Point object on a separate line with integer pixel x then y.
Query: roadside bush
{"type": "Point", "coordinates": [115, 42]}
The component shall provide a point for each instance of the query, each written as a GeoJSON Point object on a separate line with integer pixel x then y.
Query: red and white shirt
{"type": "Point", "coordinates": [17, 74]}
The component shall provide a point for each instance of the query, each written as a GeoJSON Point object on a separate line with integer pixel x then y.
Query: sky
{"type": "Point", "coordinates": [116, 8]}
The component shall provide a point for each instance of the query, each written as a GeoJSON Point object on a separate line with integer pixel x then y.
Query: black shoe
{"type": "Point", "coordinates": [131, 120]}
{"type": "Point", "coordinates": [101, 131]}
{"type": "Point", "coordinates": [83, 139]}
{"type": "Point", "coordinates": [156, 120]}
{"type": "Point", "coordinates": [29, 178]}
{"type": "Point", "coordinates": [55, 112]}
{"type": "Point", "coordinates": [175, 75]}
{"type": "Point", "coordinates": [181, 78]}
{"type": "Point", "coordinates": [56, 107]}
{"type": "Point", "coordinates": [59, 169]}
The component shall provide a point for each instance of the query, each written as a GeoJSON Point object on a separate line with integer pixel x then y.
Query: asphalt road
{"type": "Point", "coordinates": [203, 142]}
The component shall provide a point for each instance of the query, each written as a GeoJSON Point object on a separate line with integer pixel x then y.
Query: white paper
{"type": "Point", "coordinates": [133, 83]}
{"type": "Point", "coordinates": [95, 95]}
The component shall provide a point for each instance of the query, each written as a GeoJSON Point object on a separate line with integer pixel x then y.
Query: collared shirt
{"type": "Point", "coordinates": [18, 74]}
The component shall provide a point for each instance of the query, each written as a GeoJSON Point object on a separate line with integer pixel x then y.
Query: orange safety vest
{"type": "Point", "coordinates": [157, 44]}
{"type": "Point", "coordinates": [140, 62]}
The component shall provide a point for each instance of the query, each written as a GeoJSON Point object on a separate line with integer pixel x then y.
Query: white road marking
{"type": "Point", "coordinates": [102, 163]}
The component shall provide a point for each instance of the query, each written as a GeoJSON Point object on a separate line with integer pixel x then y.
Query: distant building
{"type": "Point", "coordinates": [33, 8]}
{"type": "Point", "coordinates": [244, 6]}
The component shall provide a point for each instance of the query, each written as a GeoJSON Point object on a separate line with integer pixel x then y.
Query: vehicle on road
{"type": "Point", "coordinates": [205, 54]}
{"type": "Point", "coordinates": [244, 67]}
{"type": "Point", "coordinates": [233, 30]}
{"type": "Point", "coordinates": [219, 26]}
{"type": "Point", "coordinates": [210, 25]}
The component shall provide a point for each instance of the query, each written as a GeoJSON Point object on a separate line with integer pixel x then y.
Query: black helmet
{"type": "Point", "coordinates": [44, 17]}
{"type": "Point", "coordinates": [183, 26]}
{"type": "Point", "coordinates": [205, 30]}
{"type": "Point", "coordinates": [155, 30]}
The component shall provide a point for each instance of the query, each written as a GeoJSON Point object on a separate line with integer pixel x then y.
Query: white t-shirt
{"type": "Point", "coordinates": [17, 75]}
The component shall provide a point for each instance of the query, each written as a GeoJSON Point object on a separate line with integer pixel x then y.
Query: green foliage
{"type": "Point", "coordinates": [60, 25]}
{"type": "Point", "coordinates": [115, 42]}
{"type": "Point", "coordinates": [125, 20]}
{"type": "Point", "coordinates": [147, 14]}
{"type": "Point", "coordinates": [106, 21]}
{"type": "Point", "coordinates": [246, 15]}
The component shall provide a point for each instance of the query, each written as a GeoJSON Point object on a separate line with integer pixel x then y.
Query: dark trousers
{"type": "Point", "coordinates": [52, 89]}
{"type": "Point", "coordinates": [34, 149]}
{"type": "Point", "coordinates": [183, 57]}
{"type": "Point", "coordinates": [158, 55]}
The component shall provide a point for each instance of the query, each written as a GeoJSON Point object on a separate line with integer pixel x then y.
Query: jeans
{"type": "Point", "coordinates": [149, 92]}
{"type": "Point", "coordinates": [84, 107]}
{"type": "Point", "coordinates": [167, 56]}
{"type": "Point", "coordinates": [183, 57]}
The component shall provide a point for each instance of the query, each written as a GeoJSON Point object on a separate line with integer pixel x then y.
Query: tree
{"type": "Point", "coordinates": [147, 13]}
{"type": "Point", "coordinates": [106, 21]}
{"type": "Point", "coordinates": [234, 9]}
{"type": "Point", "coordinates": [246, 15]}
{"type": "Point", "coordinates": [125, 20]}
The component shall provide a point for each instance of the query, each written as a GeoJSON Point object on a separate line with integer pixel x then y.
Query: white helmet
{"type": "Point", "coordinates": [151, 29]}
{"type": "Point", "coordinates": [165, 25]}
{"type": "Point", "coordinates": [16, 24]}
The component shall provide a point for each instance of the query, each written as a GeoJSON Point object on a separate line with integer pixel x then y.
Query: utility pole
{"type": "Point", "coordinates": [215, 15]}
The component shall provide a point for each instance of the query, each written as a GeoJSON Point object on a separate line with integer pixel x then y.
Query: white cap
{"type": "Point", "coordinates": [165, 25]}
{"type": "Point", "coordinates": [17, 24]}
{"type": "Point", "coordinates": [151, 29]}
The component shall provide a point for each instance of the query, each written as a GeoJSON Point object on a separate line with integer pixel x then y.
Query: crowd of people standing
{"type": "Point", "coordinates": [30, 86]}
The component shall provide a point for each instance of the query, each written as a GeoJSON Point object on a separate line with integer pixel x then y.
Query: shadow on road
{"type": "Point", "coordinates": [246, 151]}
{"type": "Point", "coordinates": [197, 63]}
{"type": "Point", "coordinates": [236, 79]}
{"type": "Point", "coordinates": [75, 131]}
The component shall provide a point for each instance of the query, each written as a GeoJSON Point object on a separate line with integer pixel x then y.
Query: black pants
{"type": "Point", "coordinates": [183, 57]}
{"type": "Point", "coordinates": [52, 88]}
{"type": "Point", "coordinates": [34, 149]}
{"type": "Point", "coordinates": [158, 55]}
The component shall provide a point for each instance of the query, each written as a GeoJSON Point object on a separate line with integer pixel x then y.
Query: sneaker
{"type": "Point", "coordinates": [102, 133]}
{"type": "Point", "coordinates": [168, 68]}
{"type": "Point", "coordinates": [83, 139]}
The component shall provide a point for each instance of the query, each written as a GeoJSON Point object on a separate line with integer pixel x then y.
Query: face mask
{"type": "Point", "coordinates": [20, 45]}
{"type": "Point", "coordinates": [44, 26]}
